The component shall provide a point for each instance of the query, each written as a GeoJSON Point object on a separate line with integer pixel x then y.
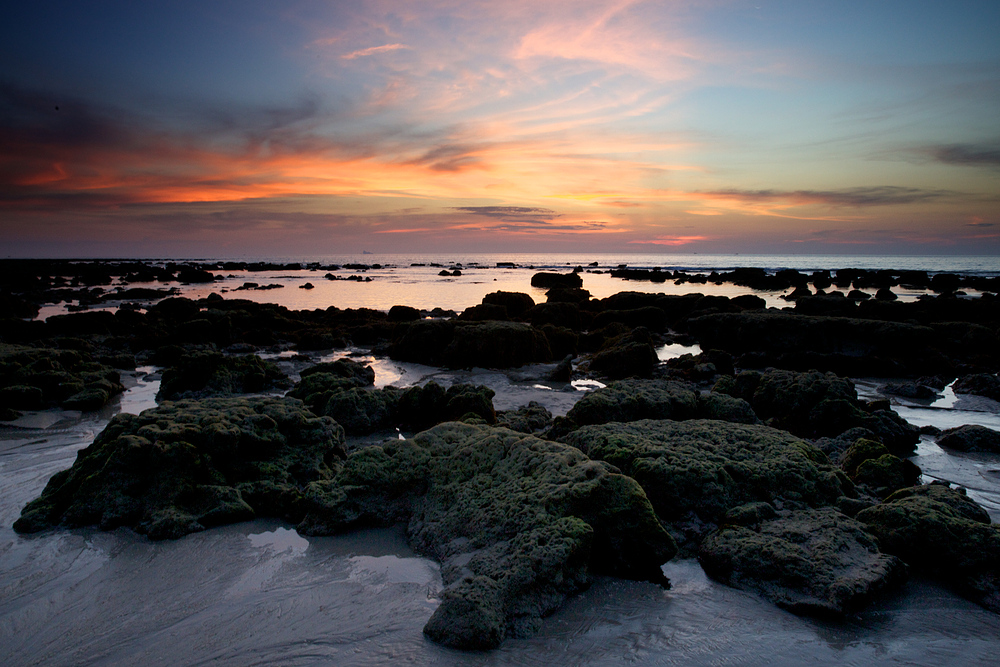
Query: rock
{"type": "Point", "coordinates": [361, 410]}
{"type": "Point", "coordinates": [35, 378]}
{"type": "Point", "coordinates": [816, 404]}
{"type": "Point", "coordinates": [205, 374]}
{"type": "Point", "coordinates": [982, 384]}
{"type": "Point", "coordinates": [483, 344]}
{"type": "Point", "coordinates": [726, 408]}
{"type": "Point", "coordinates": [530, 418]}
{"type": "Point", "coordinates": [628, 355]}
{"type": "Point", "coordinates": [422, 407]}
{"type": "Point", "coordinates": [516, 303]}
{"type": "Point", "coordinates": [632, 400]}
{"type": "Point", "coordinates": [706, 467]}
{"type": "Point", "coordinates": [496, 345]}
{"type": "Point", "coordinates": [518, 523]}
{"type": "Point", "coordinates": [939, 530]}
{"type": "Point", "coordinates": [22, 397]}
{"type": "Point", "coordinates": [909, 390]}
{"type": "Point", "coordinates": [548, 280]}
{"type": "Point", "coordinates": [184, 466]}
{"type": "Point", "coordinates": [970, 438]}
{"type": "Point", "coordinates": [318, 383]}
{"type": "Point", "coordinates": [868, 463]}
{"type": "Point", "coordinates": [403, 314]}
{"type": "Point", "coordinates": [813, 561]}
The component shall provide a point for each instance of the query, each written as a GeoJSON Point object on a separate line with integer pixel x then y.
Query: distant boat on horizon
{"type": "Point", "coordinates": [367, 252]}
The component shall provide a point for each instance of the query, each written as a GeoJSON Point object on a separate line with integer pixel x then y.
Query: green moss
{"type": "Point", "coordinates": [709, 467]}
{"type": "Point", "coordinates": [183, 466]}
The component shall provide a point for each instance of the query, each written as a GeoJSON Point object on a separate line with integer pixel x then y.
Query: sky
{"type": "Point", "coordinates": [304, 128]}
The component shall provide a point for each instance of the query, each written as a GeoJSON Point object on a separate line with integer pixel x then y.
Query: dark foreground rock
{"type": "Point", "coordinates": [814, 404]}
{"type": "Point", "coordinates": [518, 523]}
{"type": "Point", "coordinates": [813, 561]}
{"type": "Point", "coordinates": [182, 467]}
{"type": "Point", "coordinates": [939, 530]}
{"type": "Point", "coordinates": [970, 438]}
{"type": "Point", "coordinates": [205, 374]}
{"type": "Point", "coordinates": [489, 344]}
{"type": "Point", "coordinates": [36, 378]}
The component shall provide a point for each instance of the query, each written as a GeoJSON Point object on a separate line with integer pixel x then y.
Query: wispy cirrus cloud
{"type": "Point", "coordinates": [373, 50]}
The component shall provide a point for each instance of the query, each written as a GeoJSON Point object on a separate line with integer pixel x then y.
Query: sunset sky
{"type": "Point", "coordinates": [218, 128]}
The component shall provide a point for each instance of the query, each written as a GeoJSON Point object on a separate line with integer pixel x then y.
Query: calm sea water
{"type": "Point", "coordinates": [413, 280]}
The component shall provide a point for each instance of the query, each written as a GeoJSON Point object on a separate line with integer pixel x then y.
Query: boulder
{"type": "Point", "coordinates": [518, 523]}
{"type": "Point", "coordinates": [812, 561]}
{"type": "Point", "coordinates": [980, 384]}
{"type": "Point", "coordinates": [496, 345]}
{"type": "Point", "coordinates": [547, 280]}
{"type": "Point", "coordinates": [706, 468]}
{"type": "Point", "coordinates": [632, 400]}
{"type": "Point", "coordinates": [970, 438]}
{"type": "Point", "coordinates": [939, 530]}
{"type": "Point", "coordinates": [629, 355]}
{"type": "Point", "coordinates": [815, 404]}
{"type": "Point", "coordinates": [187, 465]}
{"type": "Point", "coordinates": [530, 418]}
{"type": "Point", "coordinates": [516, 303]}
{"type": "Point", "coordinates": [205, 374]}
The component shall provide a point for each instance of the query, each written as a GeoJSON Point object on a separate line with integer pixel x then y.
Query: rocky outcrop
{"type": "Point", "coordinates": [815, 404]}
{"type": "Point", "coordinates": [36, 378]}
{"type": "Point", "coordinates": [488, 344]}
{"type": "Point", "coordinates": [812, 561]}
{"type": "Point", "coordinates": [970, 438]}
{"type": "Point", "coordinates": [939, 530]}
{"type": "Point", "coordinates": [184, 466]}
{"type": "Point", "coordinates": [706, 468]}
{"type": "Point", "coordinates": [205, 374]}
{"type": "Point", "coordinates": [980, 384]}
{"type": "Point", "coordinates": [518, 523]}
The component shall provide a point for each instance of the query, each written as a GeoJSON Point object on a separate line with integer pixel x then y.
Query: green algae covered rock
{"type": "Point", "coordinates": [939, 530]}
{"type": "Point", "coordinates": [814, 404]}
{"type": "Point", "coordinates": [518, 523]}
{"type": "Point", "coordinates": [707, 467]}
{"type": "Point", "coordinates": [36, 378]}
{"type": "Point", "coordinates": [184, 466]}
{"type": "Point", "coordinates": [633, 399]}
{"type": "Point", "coordinates": [812, 561]}
{"type": "Point", "coordinates": [206, 374]}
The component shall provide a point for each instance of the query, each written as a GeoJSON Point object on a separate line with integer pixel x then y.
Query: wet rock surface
{"type": "Point", "coordinates": [811, 561]}
{"type": "Point", "coordinates": [519, 523]}
{"type": "Point", "coordinates": [188, 465]}
{"type": "Point", "coordinates": [938, 529]}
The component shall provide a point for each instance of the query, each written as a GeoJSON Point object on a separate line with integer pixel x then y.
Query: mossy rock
{"type": "Point", "coordinates": [207, 374]}
{"type": "Point", "coordinates": [631, 400]}
{"type": "Point", "coordinates": [706, 467]}
{"type": "Point", "coordinates": [530, 418]}
{"type": "Point", "coordinates": [939, 530]}
{"type": "Point", "coordinates": [518, 523]}
{"type": "Point", "coordinates": [36, 378]}
{"type": "Point", "coordinates": [814, 561]}
{"type": "Point", "coordinates": [814, 404]}
{"type": "Point", "coordinates": [183, 466]}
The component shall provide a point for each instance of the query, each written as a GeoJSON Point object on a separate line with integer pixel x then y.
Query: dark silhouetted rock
{"type": "Point", "coordinates": [970, 438]}
{"type": "Point", "coordinates": [548, 280]}
{"type": "Point", "coordinates": [205, 374]}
